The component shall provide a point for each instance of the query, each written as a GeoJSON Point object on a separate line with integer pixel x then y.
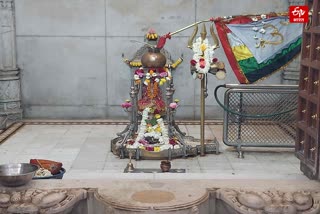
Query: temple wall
{"type": "Point", "coordinates": [69, 52]}
{"type": "Point", "coordinates": [10, 97]}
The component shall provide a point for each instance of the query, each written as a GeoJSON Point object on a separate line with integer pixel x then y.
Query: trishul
{"type": "Point", "coordinates": [203, 34]}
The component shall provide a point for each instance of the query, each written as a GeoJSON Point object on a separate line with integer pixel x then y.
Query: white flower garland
{"type": "Point", "coordinates": [207, 54]}
{"type": "Point", "coordinates": [162, 137]}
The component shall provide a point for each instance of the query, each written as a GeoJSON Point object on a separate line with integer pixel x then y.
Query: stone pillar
{"type": "Point", "coordinates": [10, 96]}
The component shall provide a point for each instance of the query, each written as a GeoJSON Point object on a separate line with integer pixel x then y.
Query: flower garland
{"type": "Point", "coordinates": [203, 55]}
{"type": "Point", "coordinates": [160, 75]}
{"type": "Point", "coordinates": [157, 131]}
{"type": "Point", "coordinates": [152, 80]}
{"type": "Point", "coordinates": [151, 129]}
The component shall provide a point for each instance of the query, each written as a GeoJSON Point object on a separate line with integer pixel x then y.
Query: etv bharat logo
{"type": "Point", "coordinates": [299, 14]}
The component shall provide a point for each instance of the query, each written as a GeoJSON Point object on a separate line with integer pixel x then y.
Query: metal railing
{"type": "Point", "coordinates": [290, 74]}
{"type": "Point", "coordinates": [260, 116]}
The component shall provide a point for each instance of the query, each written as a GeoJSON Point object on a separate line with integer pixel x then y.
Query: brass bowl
{"type": "Point", "coordinates": [17, 174]}
{"type": "Point", "coordinates": [165, 166]}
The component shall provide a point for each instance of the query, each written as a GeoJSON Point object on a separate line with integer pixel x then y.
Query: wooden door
{"type": "Point", "coordinates": [307, 144]}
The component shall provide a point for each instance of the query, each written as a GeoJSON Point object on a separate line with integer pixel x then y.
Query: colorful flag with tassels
{"type": "Point", "coordinates": [257, 48]}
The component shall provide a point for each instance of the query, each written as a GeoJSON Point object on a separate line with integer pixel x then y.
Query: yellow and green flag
{"type": "Point", "coordinates": [258, 48]}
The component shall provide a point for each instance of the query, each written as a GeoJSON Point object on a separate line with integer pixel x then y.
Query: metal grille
{"type": "Point", "coordinates": [296, 2]}
{"type": "Point", "coordinates": [271, 131]}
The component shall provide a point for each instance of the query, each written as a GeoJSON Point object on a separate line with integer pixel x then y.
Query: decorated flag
{"type": "Point", "coordinates": [257, 48]}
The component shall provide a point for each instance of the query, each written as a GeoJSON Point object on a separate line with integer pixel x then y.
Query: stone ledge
{"type": "Point", "coordinates": [173, 196]}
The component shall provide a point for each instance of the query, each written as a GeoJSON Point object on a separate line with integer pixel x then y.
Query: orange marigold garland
{"type": "Point", "coordinates": [151, 93]}
{"type": "Point", "coordinates": [153, 90]}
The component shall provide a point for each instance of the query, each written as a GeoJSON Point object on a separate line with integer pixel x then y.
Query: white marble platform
{"type": "Point", "coordinates": [85, 153]}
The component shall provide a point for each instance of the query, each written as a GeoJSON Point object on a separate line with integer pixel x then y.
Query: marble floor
{"type": "Point", "coordinates": [85, 153]}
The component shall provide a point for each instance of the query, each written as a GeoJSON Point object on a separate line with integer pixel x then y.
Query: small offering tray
{"type": "Point", "coordinates": [56, 176]}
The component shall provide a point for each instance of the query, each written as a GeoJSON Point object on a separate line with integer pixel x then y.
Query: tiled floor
{"type": "Point", "coordinates": [84, 151]}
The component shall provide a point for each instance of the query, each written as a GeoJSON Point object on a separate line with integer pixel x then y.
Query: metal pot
{"type": "Point", "coordinates": [153, 59]}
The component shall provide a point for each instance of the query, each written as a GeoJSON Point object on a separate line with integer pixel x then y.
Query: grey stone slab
{"type": "Point", "coordinates": [88, 165]}
{"type": "Point", "coordinates": [275, 78]}
{"type": "Point", "coordinates": [60, 18]}
{"type": "Point", "coordinates": [293, 159]}
{"type": "Point", "coordinates": [195, 129]}
{"type": "Point", "coordinates": [99, 132]}
{"type": "Point", "coordinates": [186, 160]}
{"type": "Point", "coordinates": [63, 71]}
{"type": "Point", "coordinates": [90, 161]}
{"type": "Point", "coordinates": [135, 17]}
{"type": "Point", "coordinates": [193, 170]}
{"type": "Point", "coordinates": [209, 159]}
{"type": "Point", "coordinates": [64, 159]}
{"type": "Point", "coordinates": [89, 150]}
{"type": "Point", "coordinates": [148, 164]}
{"type": "Point", "coordinates": [266, 175]}
{"type": "Point", "coordinates": [112, 174]}
{"type": "Point", "coordinates": [58, 112]}
{"type": "Point", "coordinates": [43, 145]}
{"type": "Point", "coordinates": [116, 165]}
{"type": "Point", "coordinates": [22, 138]}
{"type": "Point", "coordinates": [217, 173]}
{"type": "Point", "coordinates": [237, 166]}
{"type": "Point", "coordinates": [249, 158]}
{"type": "Point", "coordinates": [281, 167]}
{"type": "Point", "coordinates": [74, 138]}
{"type": "Point", "coordinates": [25, 158]}
{"type": "Point", "coordinates": [91, 156]}
{"type": "Point", "coordinates": [118, 76]}
{"type": "Point", "coordinates": [83, 174]}
{"type": "Point", "coordinates": [82, 127]}
{"type": "Point", "coordinates": [54, 130]}
{"type": "Point", "coordinates": [215, 8]}
{"type": "Point", "coordinates": [96, 140]}
{"type": "Point", "coordinates": [215, 166]}
{"type": "Point", "coordinates": [48, 136]}
{"type": "Point", "coordinates": [78, 132]}
{"type": "Point", "coordinates": [112, 171]}
{"type": "Point", "coordinates": [185, 112]}
{"type": "Point", "coordinates": [67, 139]}
{"type": "Point", "coordinates": [17, 142]}
{"type": "Point", "coordinates": [114, 161]}
{"type": "Point", "coordinates": [108, 135]}
{"type": "Point", "coordinates": [117, 112]}
{"type": "Point", "coordinates": [68, 145]}
{"type": "Point", "coordinates": [185, 164]}
{"type": "Point", "coordinates": [35, 151]}
{"type": "Point", "coordinates": [13, 151]}
{"type": "Point", "coordinates": [65, 151]}
{"type": "Point", "coordinates": [272, 157]}
{"type": "Point", "coordinates": [4, 159]}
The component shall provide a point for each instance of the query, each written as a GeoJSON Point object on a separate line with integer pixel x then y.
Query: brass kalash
{"type": "Point", "coordinates": [152, 132]}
